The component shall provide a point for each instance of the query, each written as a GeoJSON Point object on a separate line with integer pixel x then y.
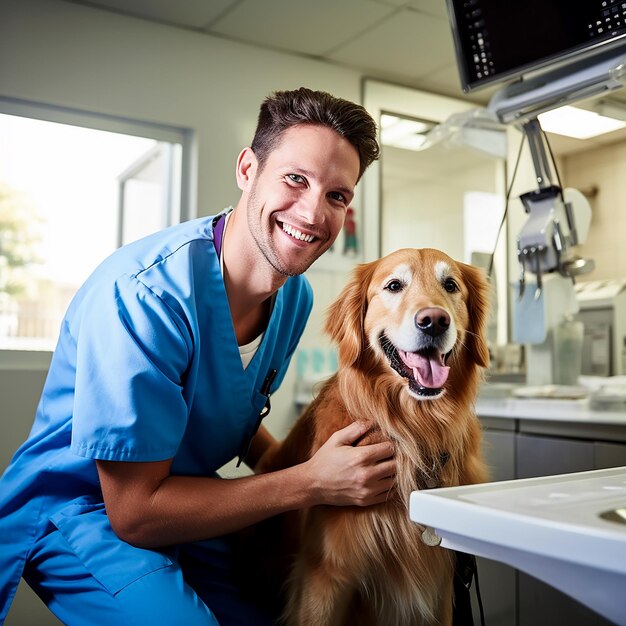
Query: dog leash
{"type": "Point", "coordinates": [466, 572]}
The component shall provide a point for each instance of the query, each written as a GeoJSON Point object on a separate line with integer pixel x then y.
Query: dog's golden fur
{"type": "Point", "coordinates": [368, 565]}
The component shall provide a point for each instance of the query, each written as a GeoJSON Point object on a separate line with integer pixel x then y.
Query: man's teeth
{"type": "Point", "coordinates": [294, 232]}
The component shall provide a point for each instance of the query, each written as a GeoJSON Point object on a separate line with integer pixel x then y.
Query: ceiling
{"type": "Point", "coordinates": [401, 41]}
{"type": "Point", "coordinates": [407, 42]}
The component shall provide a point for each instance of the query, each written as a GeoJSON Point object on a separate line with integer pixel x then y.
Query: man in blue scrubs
{"type": "Point", "coordinates": [112, 509]}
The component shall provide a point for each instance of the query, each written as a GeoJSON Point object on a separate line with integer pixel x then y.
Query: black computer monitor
{"type": "Point", "coordinates": [499, 40]}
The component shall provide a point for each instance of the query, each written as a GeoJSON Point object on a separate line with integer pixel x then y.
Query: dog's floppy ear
{"type": "Point", "coordinates": [478, 307]}
{"type": "Point", "coordinates": [346, 315]}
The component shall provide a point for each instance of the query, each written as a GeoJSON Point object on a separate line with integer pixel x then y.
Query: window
{"type": "Point", "coordinates": [69, 196]}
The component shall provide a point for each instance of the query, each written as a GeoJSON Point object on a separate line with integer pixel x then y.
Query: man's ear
{"type": "Point", "coordinates": [246, 169]}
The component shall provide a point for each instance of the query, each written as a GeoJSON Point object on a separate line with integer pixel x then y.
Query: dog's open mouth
{"type": "Point", "coordinates": [426, 369]}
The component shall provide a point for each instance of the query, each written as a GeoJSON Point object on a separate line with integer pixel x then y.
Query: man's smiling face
{"type": "Point", "coordinates": [298, 200]}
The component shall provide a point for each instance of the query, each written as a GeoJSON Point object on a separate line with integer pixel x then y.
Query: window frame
{"type": "Point", "coordinates": [40, 359]}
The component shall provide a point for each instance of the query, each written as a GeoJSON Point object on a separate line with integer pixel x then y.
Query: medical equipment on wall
{"type": "Point", "coordinates": [558, 220]}
{"type": "Point", "coordinates": [602, 305]}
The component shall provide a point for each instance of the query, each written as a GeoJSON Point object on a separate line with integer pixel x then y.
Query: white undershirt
{"type": "Point", "coordinates": [247, 351]}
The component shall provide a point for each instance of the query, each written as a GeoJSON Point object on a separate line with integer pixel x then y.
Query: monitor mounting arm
{"type": "Point", "coordinates": [545, 241]}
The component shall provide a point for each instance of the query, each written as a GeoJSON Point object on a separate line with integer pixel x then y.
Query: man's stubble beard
{"type": "Point", "coordinates": [264, 241]}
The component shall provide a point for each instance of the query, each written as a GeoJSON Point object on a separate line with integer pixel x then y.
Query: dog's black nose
{"type": "Point", "coordinates": [433, 321]}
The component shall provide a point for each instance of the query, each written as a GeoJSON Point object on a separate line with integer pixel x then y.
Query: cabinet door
{"type": "Point", "coordinates": [499, 454]}
{"type": "Point", "coordinates": [609, 455]}
{"type": "Point", "coordinates": [539, 603]}
{"type": "Point", "coordinates": [497, 580]}
{"type": "Point", "coordinates": [542, 605]}
{"type": "Point", "coordinates": [547, 456]}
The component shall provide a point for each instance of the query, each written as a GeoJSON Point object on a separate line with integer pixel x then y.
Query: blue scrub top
{"type": "Point", "coordinates": [146, 368]}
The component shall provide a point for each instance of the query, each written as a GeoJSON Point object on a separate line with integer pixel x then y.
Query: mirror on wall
{"type": "Point", "coordinates": [441, 196]}
{"type": "Point", "coordinates": [445, 197]}
{"type": "Point", "coordinates": [440, 185]}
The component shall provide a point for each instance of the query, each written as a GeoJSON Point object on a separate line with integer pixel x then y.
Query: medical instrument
{"type": "Point", "coordinates": [263, 413]}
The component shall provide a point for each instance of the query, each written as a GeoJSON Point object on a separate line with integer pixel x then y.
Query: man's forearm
{"type": "Point", "coordinates": [187, 508]}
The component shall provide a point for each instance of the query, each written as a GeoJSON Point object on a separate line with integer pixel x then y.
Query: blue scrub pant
{"type": "Point", "coordinates": [179, 594]}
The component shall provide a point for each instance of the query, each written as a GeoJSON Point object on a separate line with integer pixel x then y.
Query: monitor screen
{"type": "Point", "coordinates": [498, 40]}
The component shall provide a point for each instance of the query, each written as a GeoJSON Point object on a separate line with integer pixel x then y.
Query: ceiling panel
{"type": "Point", "coordinates": [409, 43]}
{"type": "Point", "coordinates": [394, 3]}
{"type": "Point", "coordinates": [444, 79]}
{"type": "Point", "coordinates": [299, 25]}
{"type": "Point", "coordinates": [432, 7]}
{"type": "Point", "coordinates": [190, 13]}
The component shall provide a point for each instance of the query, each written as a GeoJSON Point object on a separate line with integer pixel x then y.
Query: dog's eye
{"type": "Point", "coordinates": [450, 286]}
{"type": "Point", "coordinates": [394, 286]}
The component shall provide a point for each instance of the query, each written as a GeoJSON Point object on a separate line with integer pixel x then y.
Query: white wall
{"type": "Point", "coordinates": [605, 168]}
{"type": "Point", "coordinates": [20, 387]}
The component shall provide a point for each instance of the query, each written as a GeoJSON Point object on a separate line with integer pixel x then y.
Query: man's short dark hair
{"type": "Point", "coordinates": [285, 109]}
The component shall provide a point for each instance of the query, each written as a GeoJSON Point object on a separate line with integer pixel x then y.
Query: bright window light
{"type": "Point", "coordinates": [578, 123]}
{"type": "Point", "coordinates": [69, 196]}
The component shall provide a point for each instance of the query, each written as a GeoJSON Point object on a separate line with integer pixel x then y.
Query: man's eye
{"type": "Point", "coordinates": [394, 286]}
{"type": "Point", "coordinates": [296, 178]}
{"type": "Point", "coordinates": [450, 286]}
{"type": "Point", "coordinates": [336, 195]}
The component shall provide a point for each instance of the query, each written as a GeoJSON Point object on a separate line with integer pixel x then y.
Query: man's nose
{"type": "Point", "coordinates": [312, 207]}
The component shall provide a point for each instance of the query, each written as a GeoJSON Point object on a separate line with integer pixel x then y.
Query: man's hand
{"type": "Point", "coordinates": [347, 475]}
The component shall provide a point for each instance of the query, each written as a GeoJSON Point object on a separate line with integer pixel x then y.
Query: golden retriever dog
{"type": "Point", "coordinates": [410, 331]}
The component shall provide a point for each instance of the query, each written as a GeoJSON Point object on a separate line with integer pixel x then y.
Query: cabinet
{"type": "Point", "coordinates": [525, 449]}
{"type": "Point", "coordinates": [498, 582]}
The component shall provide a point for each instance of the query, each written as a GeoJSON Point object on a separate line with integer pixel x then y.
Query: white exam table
{"type": "Point", "coordinates": [567, 530]}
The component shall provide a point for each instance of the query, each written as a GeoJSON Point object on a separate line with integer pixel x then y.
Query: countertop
{"type": "Point", "coordinates": [594, 400]}
{"type": "Point", "coordinates": [547, 409]}
{"type": "Point", "coordinates": [549, 527]}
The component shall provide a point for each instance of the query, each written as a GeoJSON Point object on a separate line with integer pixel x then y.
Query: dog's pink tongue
{"type": "Point", "coordinates": [428, 371]}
